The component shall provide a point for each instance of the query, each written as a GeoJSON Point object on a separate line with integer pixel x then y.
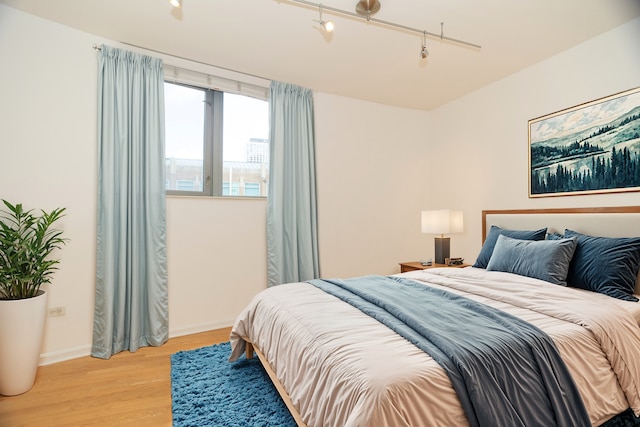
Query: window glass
{"type": "Point", "coordinates": [245, 143]}
{"type": "Point", "coordinates": [217, 143]}
{"type": "Point", "coordinates": [184, 137]}
{"type": "Point", "coordinates": [252, 189]}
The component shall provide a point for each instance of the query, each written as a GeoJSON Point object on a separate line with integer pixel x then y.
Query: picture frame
{"type": "Point", "coordinates": [590, 148]}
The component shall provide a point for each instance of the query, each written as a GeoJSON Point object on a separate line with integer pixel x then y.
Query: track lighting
{"type": "Point", "coordinates": [424, 52]}
{"type": "Point", "coordinates": [176, 3]}
{"type": "Point", "coordinates": [367, 8]}
{"type": "Point", "coordinates": [327, 25]}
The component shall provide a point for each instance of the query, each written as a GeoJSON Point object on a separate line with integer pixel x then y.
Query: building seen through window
{"type": "Point", "coordinates": [216, 143]}
{"type": "Point", "coordinates": [248, 178]}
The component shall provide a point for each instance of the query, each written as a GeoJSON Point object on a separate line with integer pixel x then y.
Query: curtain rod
{"type": "Point", "coordinates": [99, 47]}
{"type": "Point", "coordinates": [441, 36]}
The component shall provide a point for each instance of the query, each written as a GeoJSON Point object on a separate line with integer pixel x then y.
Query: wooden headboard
{"type": "Point", "coordinates": [623, 221]}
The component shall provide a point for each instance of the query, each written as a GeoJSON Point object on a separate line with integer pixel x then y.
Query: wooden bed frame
{"type": "Point", "coordinates": [610, 216]}
{"type": "Point", "coordinates": [250, 349]}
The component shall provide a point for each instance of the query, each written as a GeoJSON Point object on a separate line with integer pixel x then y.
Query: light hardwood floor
{"type": "Point", "coordinates": [128, 389]}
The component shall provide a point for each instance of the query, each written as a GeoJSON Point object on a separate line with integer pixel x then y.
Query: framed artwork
{"type": "Point", "coordinates": [586, 149]}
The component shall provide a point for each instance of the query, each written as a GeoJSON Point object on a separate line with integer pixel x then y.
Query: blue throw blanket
{"type": "Point", "coordinates": [505, 371]}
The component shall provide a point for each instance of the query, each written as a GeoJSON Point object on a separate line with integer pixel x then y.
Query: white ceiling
{"type": "Point", "coordinates": [279, 40]}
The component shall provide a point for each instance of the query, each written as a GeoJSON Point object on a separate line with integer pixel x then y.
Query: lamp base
{"type": "Point", "coordinates": [442, 249]}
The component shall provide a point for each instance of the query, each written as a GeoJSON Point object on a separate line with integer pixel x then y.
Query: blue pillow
{"type": "Point", "coordinates": [546, 260]}
{"type": "Point", "coordinates": [554, 236]}
{"type": "Point", "coordinates": [492, 238]}
{"type": "Point", "coordinates": [605, 264]}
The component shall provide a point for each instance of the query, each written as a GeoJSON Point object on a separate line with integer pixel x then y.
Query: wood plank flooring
{"type": "Point", "coordinates": [130, 389]}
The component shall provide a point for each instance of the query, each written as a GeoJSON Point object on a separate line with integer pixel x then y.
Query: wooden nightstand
{"type": "Point", "coordinates": [411, 266]}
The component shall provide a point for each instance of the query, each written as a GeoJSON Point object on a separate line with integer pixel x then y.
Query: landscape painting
{"type": "Point", "coordinates": [590, 148]}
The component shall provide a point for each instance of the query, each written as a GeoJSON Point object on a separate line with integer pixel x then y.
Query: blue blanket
{"type": "Point", "coordinates": [505, 371]}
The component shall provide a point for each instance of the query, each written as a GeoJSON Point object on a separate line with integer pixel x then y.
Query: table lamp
{"type": "Point", "coordinates": [442, 221]}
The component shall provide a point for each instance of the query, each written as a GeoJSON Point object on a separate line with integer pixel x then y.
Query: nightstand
{"type": "Point", "coordinates": [411, 266]}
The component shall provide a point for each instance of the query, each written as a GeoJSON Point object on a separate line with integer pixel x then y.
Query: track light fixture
{"type": "Point", "coordinates": [176, 3]}
{"type": "Point", "coordinates": [366, 8]}
{"type": "Point", "coordinates": [424, 52]}
{"type": "Point", "coordinates": [327, 25]}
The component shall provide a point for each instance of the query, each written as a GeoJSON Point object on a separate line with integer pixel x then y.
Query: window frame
{"type": "Point", "coordinates": [213, 144]}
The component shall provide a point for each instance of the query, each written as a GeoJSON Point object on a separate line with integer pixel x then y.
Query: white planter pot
{"type": "Point", "coordinates": [21, 330]}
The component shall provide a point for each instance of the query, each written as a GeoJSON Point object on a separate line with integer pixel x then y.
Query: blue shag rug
{"type": "Point", "coordinates": [207, 390]}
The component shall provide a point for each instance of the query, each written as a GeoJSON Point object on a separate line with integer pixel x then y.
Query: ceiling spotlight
{"type": "Point", "coordinates": [176, 3]}
{"type": "Point", "coordinates": [424, 52]}
{"type": "Point", "coordinates": [327, 25]}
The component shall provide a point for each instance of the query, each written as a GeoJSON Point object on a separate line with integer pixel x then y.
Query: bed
{"type": "Point", "coordinates": [334, 365]}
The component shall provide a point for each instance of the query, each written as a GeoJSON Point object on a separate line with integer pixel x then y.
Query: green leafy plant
{"type": "Point", "coordinates": [27, 240]}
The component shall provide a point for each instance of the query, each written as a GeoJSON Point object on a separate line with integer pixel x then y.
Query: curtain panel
{"type": "Point", "coordinates": [131, 307]}
{"type": "Point", "coordinates": [292, 236]}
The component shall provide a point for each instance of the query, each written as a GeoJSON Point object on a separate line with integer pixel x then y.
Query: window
{"type": "Point", "coordinates": [187, 185]}
{"type": "Point", "coordinates": [252, 189]}
{"type": "Point", "coordinates": [217, 143]}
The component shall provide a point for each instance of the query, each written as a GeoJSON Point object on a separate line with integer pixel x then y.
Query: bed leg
{"type": "Point", "coordinates": [249, 350]}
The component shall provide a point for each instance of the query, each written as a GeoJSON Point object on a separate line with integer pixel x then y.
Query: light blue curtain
{"type": "Point", "coordinates": [131, 308]}
{"type": "Point", "coordinates": [292, 235]}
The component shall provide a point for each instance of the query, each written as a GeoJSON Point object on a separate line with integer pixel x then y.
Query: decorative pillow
{"type": "Point", "coordinates": [492, 237]}
{"type": "Point", "coordinates": [605, 264]}
{"type": "Point", "coordinates": [546, 260]}
{"type": "Point", "coordinates": [554, 236]}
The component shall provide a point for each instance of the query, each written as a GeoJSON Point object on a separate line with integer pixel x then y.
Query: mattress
{"type": "Point", "coordinates": [342, 368]}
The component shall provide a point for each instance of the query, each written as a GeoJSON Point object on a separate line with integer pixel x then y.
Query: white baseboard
{"type": "Point", "coordinates": [62, 355]}
{"type": "Point", "coordinates": [85, 350]}
{"type": "Point", "coordinates": [200, 328]}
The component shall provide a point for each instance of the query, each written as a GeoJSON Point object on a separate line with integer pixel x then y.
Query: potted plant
{"type": "Point", "coordinates": [27, 241]}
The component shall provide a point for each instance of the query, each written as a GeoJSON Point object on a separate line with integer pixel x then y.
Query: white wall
{"type": "Point", "coordinates": [370, 182]}
{"type": "Point", "coordinates": [48, 154]}
{"type": "Point", "coordinates": [371, 173]}
{"type": "Point", "coordinates": [216, 255]}
{"type": "Point", "coordinates": [484, 135]}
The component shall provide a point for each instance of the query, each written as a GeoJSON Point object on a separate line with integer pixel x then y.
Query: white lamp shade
{"type": "Point", "coordinates": [442, 221]}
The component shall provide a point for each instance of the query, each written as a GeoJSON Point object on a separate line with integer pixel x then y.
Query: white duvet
{"type": "Point", "coordinates": [342, 368]}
